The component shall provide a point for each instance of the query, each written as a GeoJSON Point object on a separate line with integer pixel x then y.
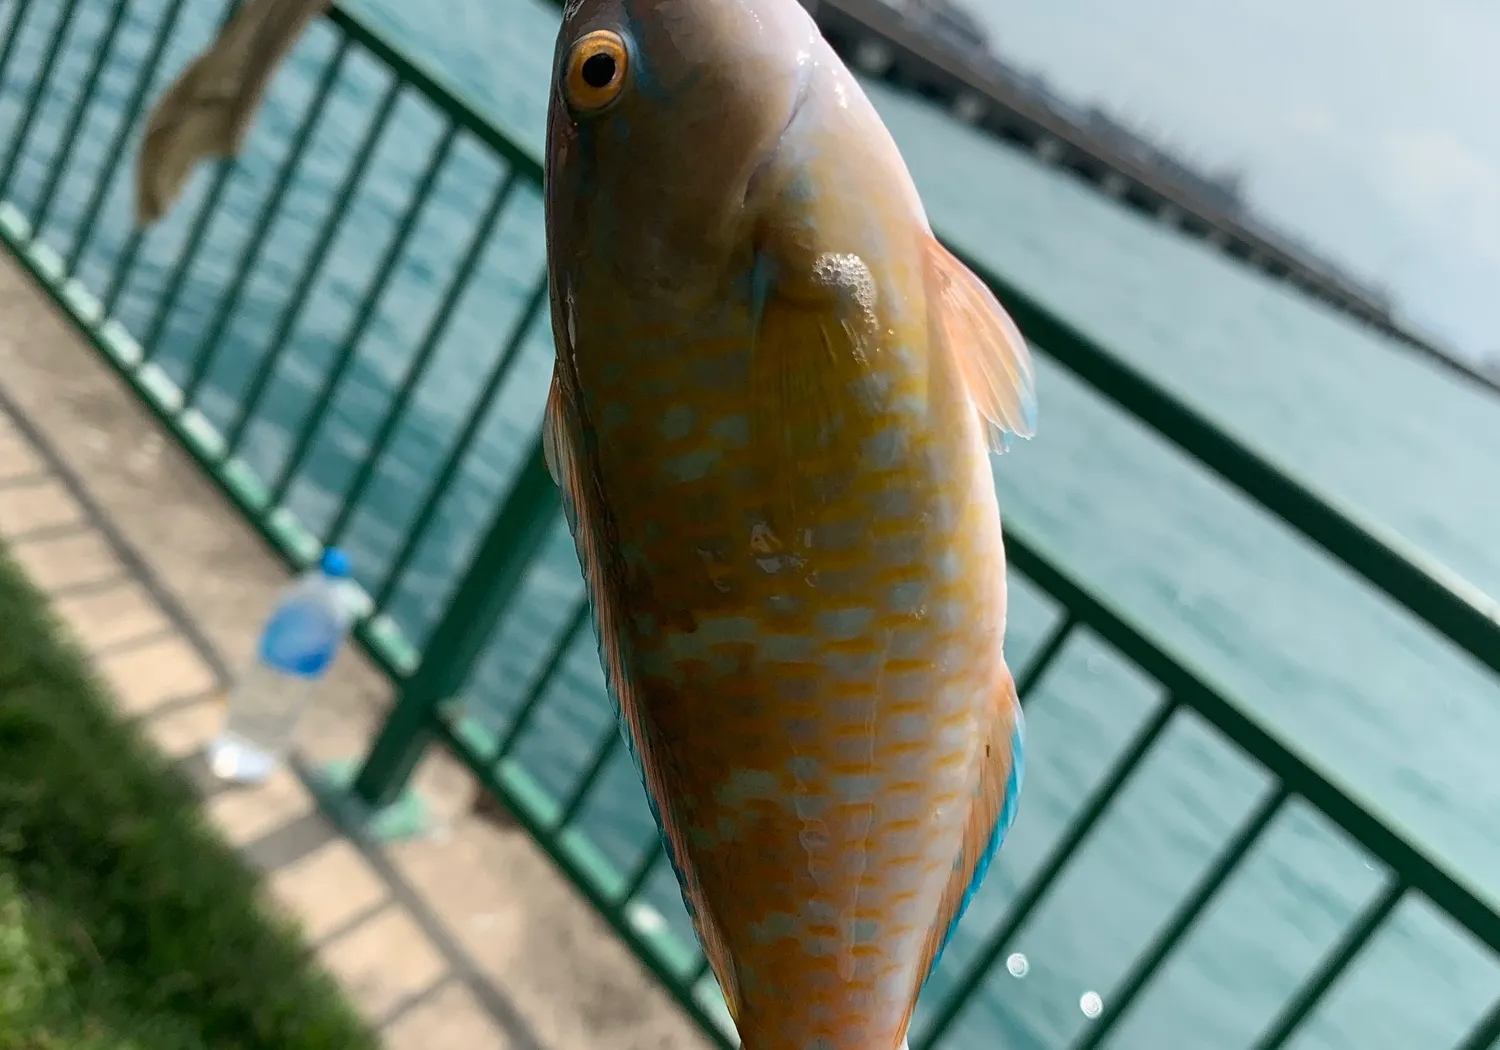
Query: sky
{"type": "Point", "coordinates": [1368, 127]}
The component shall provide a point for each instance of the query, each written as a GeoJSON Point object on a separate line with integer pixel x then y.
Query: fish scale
{"type": "Point", "coordinates": [703, 660]}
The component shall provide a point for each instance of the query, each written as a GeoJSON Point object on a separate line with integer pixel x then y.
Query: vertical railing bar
{"type": "Point", "coordinates": [1485, 1032]}
{"type": "Point", "coordinates": [64, 155]}
{"type": "Point", "coordinates": [12, 34]}
{"type": "Point", "coordinates": [538, 688]}
{"type": "Point", "coordinates": [250, 254]}
{"type": "Point", "coordinates": [124, 269]}
{"type": "Point", "coordinates": [341, 202]}
{"type": "Point", "coordinates": [1228, 860]}
{"type": "Point", "coordinates": [125, 264]}
{"type": "Point", "coordinates": [654, 855]}
{"type": "Point", "coordinates": [1057, 861]}
{"type": "Point", "coordinates": [498, 374]}
{"type": "Point", "coordinates": [702, 970]}
{"type": "Point", "coordinates": [91, 212]}
{"type": "Point", "coordinates": [1353, 942]}
{"type": "Point", "coordinates": [349, 344]}
{"type": "Point", "coordinates": [602, 754]}
{"type": "Point", "coordinates": [1038, 665]}
{"type": "Point", "coordinates": [208, 210]}
{"type": "Point", "coordinates": [19, 136]}
{"type": "Point", "coordinates": [426, 349]}
{"type": "Point", "coordinates": [486, 590]}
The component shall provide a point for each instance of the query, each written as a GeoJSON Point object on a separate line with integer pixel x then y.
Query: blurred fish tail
{"type": "Point", "coordinates": [209, 107]}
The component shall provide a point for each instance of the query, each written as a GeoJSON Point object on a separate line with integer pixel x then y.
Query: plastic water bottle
{"type": "Point", "coordinates": [298, 645]}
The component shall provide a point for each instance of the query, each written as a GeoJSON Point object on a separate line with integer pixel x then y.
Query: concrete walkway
{"type": "Point", "coordinates": [466, 940]}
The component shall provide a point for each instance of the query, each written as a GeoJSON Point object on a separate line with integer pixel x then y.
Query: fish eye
{"type": "Point", "coordinates": [596, 71]}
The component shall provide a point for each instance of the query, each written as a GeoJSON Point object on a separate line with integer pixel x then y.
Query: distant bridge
{"type": "Point", "coordinates": [874, 39]}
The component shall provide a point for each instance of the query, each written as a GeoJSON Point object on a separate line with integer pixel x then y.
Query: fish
{"type": "Point", "coordinates": [774, 400]}
{"type": "Point", "coordinates": [208, 109]}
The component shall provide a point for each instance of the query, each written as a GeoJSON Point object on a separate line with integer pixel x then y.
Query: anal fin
{"type": "Point", "coordinates": [991, 815]}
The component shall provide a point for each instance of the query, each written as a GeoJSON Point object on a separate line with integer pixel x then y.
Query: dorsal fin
{"type": "Point", "coordinates": [985, 344]}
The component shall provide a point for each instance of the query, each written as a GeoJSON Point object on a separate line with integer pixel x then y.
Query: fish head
{"type": "Point", "coordinates": [662, 112]}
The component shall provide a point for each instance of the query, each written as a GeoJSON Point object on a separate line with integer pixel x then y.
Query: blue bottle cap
{"type": "Point", "coordinates": [335, 564]}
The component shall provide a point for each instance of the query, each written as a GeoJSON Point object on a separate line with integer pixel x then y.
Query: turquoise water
{"type": "Point", "coordinates": [1390, 710]}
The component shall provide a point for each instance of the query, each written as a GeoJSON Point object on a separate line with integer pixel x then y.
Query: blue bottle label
{"type": "Point", "coordinates": [301, 639]}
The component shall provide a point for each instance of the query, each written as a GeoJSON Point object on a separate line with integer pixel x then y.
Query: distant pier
{"type": "Point", "coordinates": [876, 41]}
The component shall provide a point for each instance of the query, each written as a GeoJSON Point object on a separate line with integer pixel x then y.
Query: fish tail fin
{"type": "Point", "coordinates": [753, 1044]}
{"type": "Point", "coordinates": [209, 107]}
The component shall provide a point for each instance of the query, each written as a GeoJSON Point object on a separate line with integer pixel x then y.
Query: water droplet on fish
{"type": "Point", "coordinates": [571, 318]}
{"type": "Point", "coordinates": [814, 836]}
{"type": "Point", "coordinates": [1091, 1005]}
{"type": "Point", "coordinates": [718, 574]}
{"type": "Point", "coordinates": [763, 540]}
{"type": "Point", "coordinates": [851, 278]}
{"type": "Point", "coordinates": [1018, 965]}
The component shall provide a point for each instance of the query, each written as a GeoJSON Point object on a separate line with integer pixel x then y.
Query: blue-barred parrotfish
{"type": "Point", "coordinates": [772, 410]}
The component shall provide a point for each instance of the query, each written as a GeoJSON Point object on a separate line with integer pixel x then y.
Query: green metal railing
{"type": "Point", "coordinates": [249, 300]}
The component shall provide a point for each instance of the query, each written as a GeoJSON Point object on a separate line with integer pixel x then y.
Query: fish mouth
{"type": "Point", "coordinates": [804, 78]}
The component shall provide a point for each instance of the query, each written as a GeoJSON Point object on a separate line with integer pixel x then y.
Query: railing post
{"type": "Point", "coordinates": [490, 584]}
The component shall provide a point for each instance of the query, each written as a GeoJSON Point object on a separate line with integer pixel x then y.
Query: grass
{"type": "Point", "coordinates": [125, 922]}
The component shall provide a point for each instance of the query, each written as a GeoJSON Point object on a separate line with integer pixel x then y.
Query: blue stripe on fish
{"type": "Point", "coordinates": [1006, 818]}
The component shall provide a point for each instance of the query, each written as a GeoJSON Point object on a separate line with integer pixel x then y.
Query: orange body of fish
{"type": "Point", "coordinates": [771, 416]}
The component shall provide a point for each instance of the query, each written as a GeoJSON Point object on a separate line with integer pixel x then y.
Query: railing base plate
{"type": "Point", "coordinates": [406, 818]}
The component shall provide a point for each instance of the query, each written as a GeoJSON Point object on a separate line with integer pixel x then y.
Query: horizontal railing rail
{"type": "Point", "coordinates": [1462, 613]}
{"type": "Point", "coordinates": [252, 298]}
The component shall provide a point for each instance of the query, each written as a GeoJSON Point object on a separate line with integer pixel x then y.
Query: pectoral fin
{"type": "Point", "coordinates": [814, 332]}
{"type": "Point", "coordinates": [985, 344]}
